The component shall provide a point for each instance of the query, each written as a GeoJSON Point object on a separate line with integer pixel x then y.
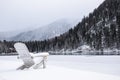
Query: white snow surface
{"type": "Point", "coordinates": [64, 68]}
{"type": "Point", "coordinates": [85, 47]}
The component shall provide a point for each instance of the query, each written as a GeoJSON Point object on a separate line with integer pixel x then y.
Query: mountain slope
{"type": "Point", "coordinates": [46, 32]}
{"type": "Point", "coordinates": [100, 30]}
{"type": "Point", "coordinates": [8, 34]}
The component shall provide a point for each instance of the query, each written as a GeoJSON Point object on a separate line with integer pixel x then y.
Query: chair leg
{"type": "Point", "coordinates": [43, 62]}
{"type": "Point", "coordinates": [22, 67]}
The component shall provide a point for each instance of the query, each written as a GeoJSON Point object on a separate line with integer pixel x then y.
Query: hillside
{"type": "Point", "coordinates": [100, 30]}
{"type": "Point", "coordinates": [46, 32]}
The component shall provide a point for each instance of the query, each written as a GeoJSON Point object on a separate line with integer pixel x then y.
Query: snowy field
{"type": "Point", "coordinates": [64, 68]}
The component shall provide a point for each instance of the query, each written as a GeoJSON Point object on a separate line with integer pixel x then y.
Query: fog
{"type": "Point", "coordinates": [20, 14]}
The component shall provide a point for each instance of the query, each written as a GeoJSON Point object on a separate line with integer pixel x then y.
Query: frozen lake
{"type": "Point", "coordinates": [106, 67]}
{"type": "Point", "coordinates": [101, 64]}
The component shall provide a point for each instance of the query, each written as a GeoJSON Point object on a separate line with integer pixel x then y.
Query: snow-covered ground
{"type": "Point", "coordinates": [64, 68]}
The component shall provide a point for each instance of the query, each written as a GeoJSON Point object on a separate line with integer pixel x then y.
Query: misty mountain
{"type": "Point", "coordinates": [9, 34]}
{"type": "Point", "coordinates": [100, 30]}
{"type": "Point", "coordinates": [46, 32]}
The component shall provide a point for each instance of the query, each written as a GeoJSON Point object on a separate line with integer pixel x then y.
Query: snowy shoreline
{"type": "Point", "coordinates": [68, 67]}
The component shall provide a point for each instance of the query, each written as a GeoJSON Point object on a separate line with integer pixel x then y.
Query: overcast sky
{"type": "Point", "coordinates": [20, 14]}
